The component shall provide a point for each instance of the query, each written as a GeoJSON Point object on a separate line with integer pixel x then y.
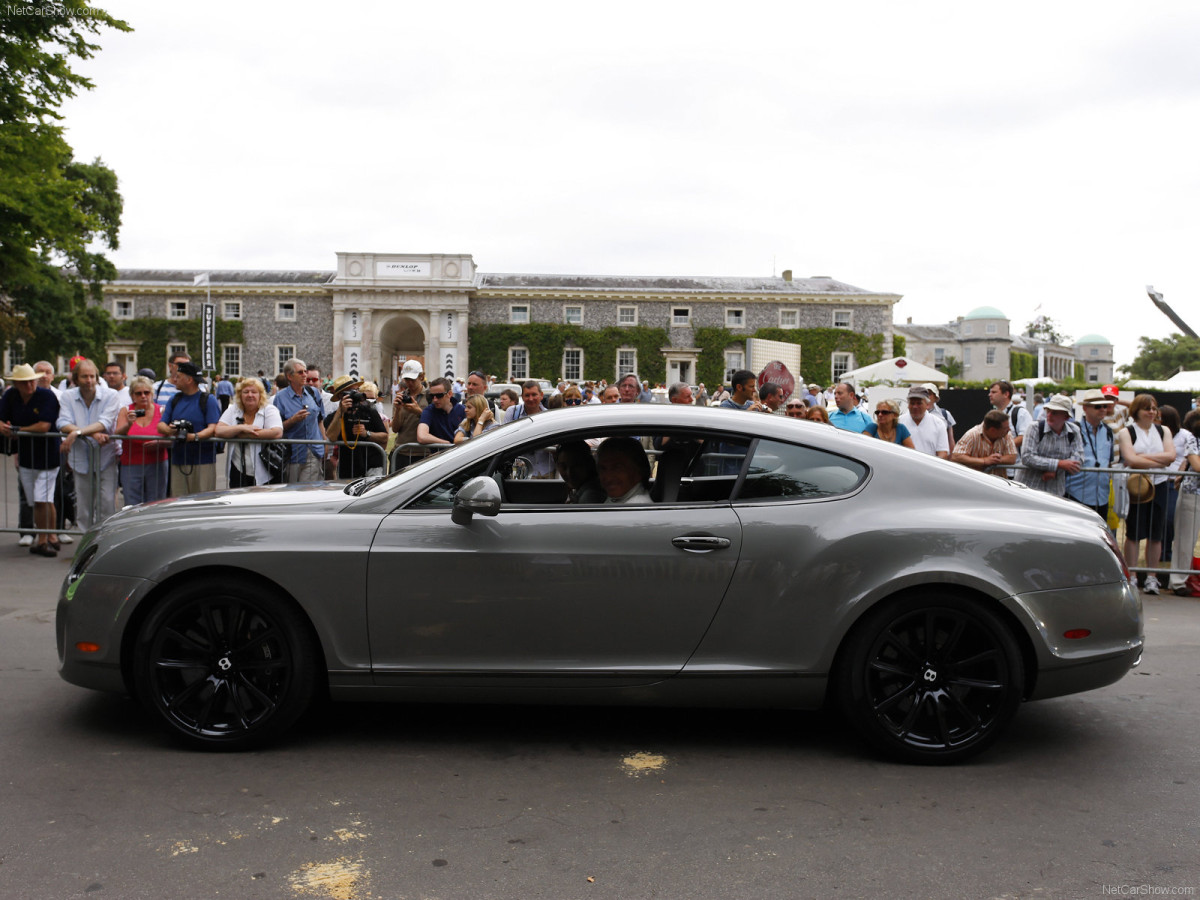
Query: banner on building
{"type": "Point", "coordinates": [208, 337]}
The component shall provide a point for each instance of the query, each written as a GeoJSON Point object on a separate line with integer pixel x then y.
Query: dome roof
{"type": "Point", "coordinates": [985, 312]}
{"type": "Point", "coordinates": [1093, 339]}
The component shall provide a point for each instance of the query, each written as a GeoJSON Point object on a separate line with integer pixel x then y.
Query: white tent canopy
{"type": "Point", "coordinates": [897, 371]}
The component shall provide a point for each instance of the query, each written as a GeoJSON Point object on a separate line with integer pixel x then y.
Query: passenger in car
{"type": "Point", "coordinates": [624, 470]}
{"type": "Point", "coordinates": [577, 468]}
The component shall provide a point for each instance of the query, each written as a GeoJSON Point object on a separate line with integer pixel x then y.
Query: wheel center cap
{"type": "Point", "coordinates": [224, 664]}
{"type": "Point", "coordinates": [930, 675]}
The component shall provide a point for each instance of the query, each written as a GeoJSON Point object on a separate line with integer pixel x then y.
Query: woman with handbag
{"type": "Point", "coordinates": [248, 416]}
{"type": "Point", "coordinates": [144, 474]}
{"type": "Point", "coordinates": [1144, 445]}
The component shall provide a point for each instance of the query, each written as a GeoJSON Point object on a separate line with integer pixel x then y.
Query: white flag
{"type": "Point", "coordinates": [201, 279]}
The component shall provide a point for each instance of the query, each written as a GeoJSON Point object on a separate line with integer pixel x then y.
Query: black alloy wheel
{"type": "Point", "coordinates": [931, 679]}
{"type": "Point", "coordinates": [224, 666]}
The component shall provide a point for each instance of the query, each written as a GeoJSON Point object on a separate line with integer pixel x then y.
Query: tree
{"type": "Point", "coordinates": [1159, 360]}
{"type": "Point", "coordinates": [951, 367]}
{"type": "Point", "coordinates": [1044, 328]}
{"type": "Point", "coordinates": [53, 209]}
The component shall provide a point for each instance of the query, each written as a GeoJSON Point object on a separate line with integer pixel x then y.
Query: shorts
{"type": "Point", "coordinates": [38, 484]}
{"type": "Point", "coordinates": [1149, 519]}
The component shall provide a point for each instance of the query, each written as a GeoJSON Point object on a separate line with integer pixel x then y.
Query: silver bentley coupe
{"type": "Point", "coordinates": [640, 554]}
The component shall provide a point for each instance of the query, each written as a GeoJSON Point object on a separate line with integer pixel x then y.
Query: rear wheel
{"type": "Point", "coordinates": [225, 666]}
{"type": "Point", "coordinates": [931, 678]}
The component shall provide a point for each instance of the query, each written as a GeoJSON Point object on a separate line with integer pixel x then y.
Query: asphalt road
{"type": "Point", "coordinates": [1088, 796]}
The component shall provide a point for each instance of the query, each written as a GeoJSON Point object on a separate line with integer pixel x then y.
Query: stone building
{"type": "Point", "coordinates": [982, 343]}
{"type": "Point", "coordinates": [375, 310]}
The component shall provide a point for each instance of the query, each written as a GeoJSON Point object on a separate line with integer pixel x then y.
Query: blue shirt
{"type": "Point", "coordinates": [309, 429]}
{"type": "Point", "coordinates": [443, 424]}
{"type": "Point", "coordinates": [202, 410]}
{"type": "Point", "coordinates": [902, 432]}
{"type": "Point", "coordinates": [1091, 488]}
{"type": "Point", "coordinates": [856, 420]}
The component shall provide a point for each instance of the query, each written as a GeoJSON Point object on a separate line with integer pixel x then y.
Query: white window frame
{"type": "Point", "coordinates": [939, 356]}
{"type": "Point", "coordinates": [225, 370]}
{"type": "Point", "coordinates": [633, 316]}
{"type": "Point", "coordinates": [966, 329]}
{"type": "Point", "coordinates": [1094, 375]}
{"type": "Point", "coordinates": [991, 356]}
{"type": "Point", "coordinates": [117, 310]}
{"type": "Point", "coordinates": [737, 313]}
{"type": "Point", "coordinates": [1094, 351]}
{"type": "Point", "coordinates": [172, 304]}
{"type": "Point", "coordinates": [280, 313]}
{"type": "Point", "coordinates": [629, 353]}
{"type": "Point", "coordinates": [794, 313]}
{"type": "Point", "coordinates": [966, 357]}
{"type": "Point", "coordinates": [678, 321]}
{"type": "Point", "coordinates": [14, 355]}
{"type": "Point", "coordinates": [513, 353]}
{"type": "Point", "coordinates": [236, 305]}
{"type": "Point", "coordinates": [839, 364]}
{"type": "Point", "coordinates": [734, 360]}
{"type": "Point", "coordinates": [990, 328]}
{"type": "Point", "coordinates": [849, 320]}
{"type": "Point", "coordinates": [281, 357]}
{"type": "Point", "coordinates": [567, 314]}
{"type": "Point", "coordinates": [519, 318]}
{"type": "Point", "coordinates": [578, 376]}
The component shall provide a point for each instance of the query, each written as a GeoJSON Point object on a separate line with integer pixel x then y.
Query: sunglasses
{"type": "Point", "coordinates": [884, 412]}
{"type": "Point", "coordinates": [438, 396]}
{"type": "Point", "coordinates": [142, 393]}
{"type": "Point", "coordinates": [574, 401]}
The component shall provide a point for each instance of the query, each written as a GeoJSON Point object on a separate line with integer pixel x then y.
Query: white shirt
{"type": "Point", "coordinates": [74, 411]}
{"type": "Point", "coordinates": [929, 436]}
{"type": "Point", "coordinates": [266, 417]}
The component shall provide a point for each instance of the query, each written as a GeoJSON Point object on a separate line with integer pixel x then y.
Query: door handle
{"type": "Point", "coordinates": [697, 543]}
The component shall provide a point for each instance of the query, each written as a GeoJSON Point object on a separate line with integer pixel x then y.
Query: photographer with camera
{"type": "Point", "coordinates": [410, 402]}
{"type": "Point", "coordinates": [190, 418]}
{"type": "Point", "coordinates": [143, 463]}
{"type": "Point", "coordinates": [354, 423]}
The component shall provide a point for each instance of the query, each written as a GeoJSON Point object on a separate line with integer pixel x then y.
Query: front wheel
{"type": "Point", "coordinates": [225, 666]}
{"type": "Point", "coordinates": [930, 678]}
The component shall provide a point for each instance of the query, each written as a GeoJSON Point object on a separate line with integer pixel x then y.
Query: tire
{"type": "Point", "coordinates": [931, 679]}
{"type": "Point", "coordinates": [225, 666]}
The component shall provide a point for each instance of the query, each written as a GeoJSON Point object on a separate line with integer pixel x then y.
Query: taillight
{"type": "Point", "coordinates": [1112, 545]}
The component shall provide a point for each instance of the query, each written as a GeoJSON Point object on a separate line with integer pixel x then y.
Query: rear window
{"type": "Point", "coordinates": [779, 471]}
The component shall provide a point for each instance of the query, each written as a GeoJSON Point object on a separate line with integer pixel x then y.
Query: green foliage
{"type": "Point", "coordinates": [546, 341]}
{"type": "Point", "coordinates": [899, 345]}
{"type": "Point", "coordinates": [1044, 328]}
{"type": "Point", "coordinates": [1158, 360]}
{"type": "Point", "coordinates": [1021, 365]}
{"type": "Point", "coordinates": [154, 335]}
{"type": "Point", "coordinates": [951, 367]}
{"type": "Point", "coordinates": [53, 210]}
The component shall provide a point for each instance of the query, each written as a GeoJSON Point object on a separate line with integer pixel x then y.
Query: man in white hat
{"type": "Point", "coordinates": [1052, 449]}
{"type": "Point", "coordinates": [1099, 445]}
{"type": "Point", "coordinates": [26, 409]}
{"type": "Point", "coordinates": [935, 397]}
{"type": "Point", "coordinates": [406, 412]}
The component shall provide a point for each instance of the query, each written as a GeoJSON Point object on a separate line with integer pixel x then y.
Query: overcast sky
{"type": "Point", "coordinates": [958, 154]}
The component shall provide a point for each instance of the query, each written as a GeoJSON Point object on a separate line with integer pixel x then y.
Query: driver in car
{"type": "Point", "coordinates": [624, 471]}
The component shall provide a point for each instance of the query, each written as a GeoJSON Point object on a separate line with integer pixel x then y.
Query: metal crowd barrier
{"type": "Point", "coordinates": [407, 454]}
{"type": "Point", "coordinates": [18, 515]}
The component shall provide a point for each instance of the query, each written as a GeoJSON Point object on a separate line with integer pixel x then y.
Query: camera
{"type": "Point", "coordinates": [182, 428]}
{"type": "Point", "coordinates": [138, 413]}
{"type": "Point", "coordinates": [360, 408]}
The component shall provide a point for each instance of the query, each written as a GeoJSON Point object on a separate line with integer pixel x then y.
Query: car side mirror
{"type": "Point", "coordinates": [479, 495]}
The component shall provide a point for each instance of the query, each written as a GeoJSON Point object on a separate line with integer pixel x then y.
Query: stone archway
{"type": "Point", "coordinates": [401, 336]}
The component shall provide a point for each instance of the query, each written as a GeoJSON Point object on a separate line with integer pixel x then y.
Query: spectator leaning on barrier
{"type": "Point", "coordinates": [988, 444]}
{"type": "Point", "coordinates": [355, 424]}
{"type": "Point", "coordinates": [143, 462]}
{"type": "Point", "coordinates": [1052, 449]}
{"type": "Point", "coordinates": [27, 410]}
{"type": "Point", "coordinates": [302, 411]}
{"type": "Point", "coordinates": [88, 413]}
{"type": "Point", "coordinates": [1099, 445]}
{"type": "Point", "coordinates": [190, 417]}
{"type": "Point", "coordinates": [1187, 510]}
{"type": "Point", "coordinates": [928, 431]}
{"type": "Point", "coordinates": [249, 416]}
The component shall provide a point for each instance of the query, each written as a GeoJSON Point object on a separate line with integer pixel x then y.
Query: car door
{"type": "Point", "coordinates": [586, 596]}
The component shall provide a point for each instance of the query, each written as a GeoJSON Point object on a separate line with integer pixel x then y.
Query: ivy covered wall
{"type": "Point", "coordinates": [154, 335]}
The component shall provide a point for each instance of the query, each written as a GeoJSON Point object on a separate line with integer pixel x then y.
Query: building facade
{"type": "Point", "coordinates": [376, 310]}
{"type": "Point", "coordinates": [981, 343]}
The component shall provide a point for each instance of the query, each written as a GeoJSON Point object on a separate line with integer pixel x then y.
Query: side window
{"type": "Point", "coordinates": [781, 471]}
{"type": "Point", "coordinates": [442, 494]}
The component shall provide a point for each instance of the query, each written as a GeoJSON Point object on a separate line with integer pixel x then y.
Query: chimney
{"type": "Point", "coordinates": [910, 320]}
{"type": "Point", "coordinates": [787, 274]}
